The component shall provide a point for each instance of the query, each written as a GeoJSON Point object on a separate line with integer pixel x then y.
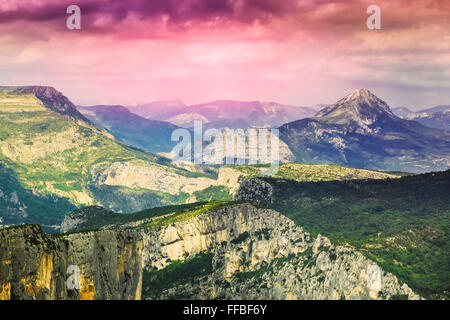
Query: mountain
{"type": "Point", "coordinates": [227, 112]}
{"type": "Point", "coordinates": [224, 113]}
{"type": "Point", "coordinates": [50, 97]}
{"type": "Point", "coordinates": [361, 131]}
{"type": "Point", "coordinates": [402, 112]}
{"type": "Point", "coordinates": [438, 120]}
{"type": "Point", "coordinates": [436, 117]}
{"type": "Point", "coordinates": [150, 135]}
{"type": "Point", "coordinates": [56, 160]}
{"type": "Point", "coordinates": [435, 109]}
{"type": "Point", "coordinates": [158, 110]}
{"type": "Point", "coordinates": [402, 224]}
{"type": "Point", "coordinates": [215, 250]}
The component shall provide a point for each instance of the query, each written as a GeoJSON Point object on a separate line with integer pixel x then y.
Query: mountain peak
{"type": "Point", "coordinates": [360, 106]}
{"type": "Point", "coordinates": [50, 97]}
{"type": "Point", "coordinates": [360, 94]}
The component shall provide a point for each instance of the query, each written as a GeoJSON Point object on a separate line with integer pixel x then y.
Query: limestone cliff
{"type": "Point", "coordinates": [260, 254]}
{"type": "Point", "coordinates": [152, 178]}
{"type": "Point", "coordinates": [34, 265]}
{"type": "Point", "coordinates": [245, 252]}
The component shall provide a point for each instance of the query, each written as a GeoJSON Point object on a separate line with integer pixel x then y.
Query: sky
{"type": "Point", "coordinates": [298, 52]}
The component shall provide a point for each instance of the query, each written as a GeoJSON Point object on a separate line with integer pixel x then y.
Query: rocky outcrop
{"type": "Point", "coordinates": [256, 253]}
{"type": "Point", "coordinates": [13, 204]}
{"type": "Point", "coordinates": [255, 189]}
{"type": "Point", "coordinates": [152, 178]}
{"type": "Point", "coordinates": [34, 265]}
{"type": "Point", "coordinates": [261, 254]}
{"type": "Point", "coordinates": [230, 178]}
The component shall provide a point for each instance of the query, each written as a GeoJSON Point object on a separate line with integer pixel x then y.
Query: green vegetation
{"type": "Point", "coordinates": [241, 238]}
{"type": "Point", "coordinates": [56, 157]}
{"type": "Point", "coordinates": [97, 217]}
{"type": "Point", "coordinates": [127, 200]}
{"type": "Point", "coordinates": [403, 224]}
{"type": "Point", "coordinates": [213, 193]}
{"type": "Point", "coordinates": [275, 265]}
{"type": "Point", "coordinates": [186, 215]}
{"type": "Point", "coordinates": [20, 204]}
{"type": "Point", "coordinates": [308, 172]}
{"type": "Point", "coordinates": [176, 273]}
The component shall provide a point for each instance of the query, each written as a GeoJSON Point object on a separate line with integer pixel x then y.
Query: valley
{"type": "Point", "coordinates": [345, 220]}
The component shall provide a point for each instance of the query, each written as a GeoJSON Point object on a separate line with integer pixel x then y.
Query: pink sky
{"type": "Point", "coordinates": [299, 52]}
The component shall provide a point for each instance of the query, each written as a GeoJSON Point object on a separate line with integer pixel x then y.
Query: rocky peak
{"type": "Point", "coordinates": [51, 98]}
{"type": "Point", "coordinates": [361, 106]}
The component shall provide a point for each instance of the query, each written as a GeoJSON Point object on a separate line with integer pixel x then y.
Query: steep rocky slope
{"type": "Point", "coordinates": [50, 97]}
{"type": "Point", "coordinates": [34, 265]}
{"type": "Point", "coordinates": [210, 251]}
{"type": "Point", "coordinates": [257, 254]}
{"type": "Point", "coordinates": [402, 224]}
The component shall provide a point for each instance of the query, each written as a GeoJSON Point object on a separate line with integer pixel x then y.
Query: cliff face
{"type": "Point", "coordinates": [34, 265]}
{"type": "Point", "coordinates": [241, 251]}
{"type": "Point", "coordinates": [260, 254]}
{"type": "Point", "coordinates": [152, 178]}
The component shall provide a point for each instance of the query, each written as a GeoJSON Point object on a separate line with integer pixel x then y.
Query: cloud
{"type": "Point", "coordinates": [294, 51]}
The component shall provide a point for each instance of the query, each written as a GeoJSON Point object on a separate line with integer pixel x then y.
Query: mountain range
{"type": "Point", "coordinates": [361, 131]}
{"type": "Point", "coordinates": [141, 226]}
{"type": "Point", "coordinates": [147, 134]}
{"type": "Point", "coordinates": [224, 113]}
{"type": "Point", "coordinates": [437, 117]}
{"type": "Point", "coordinates": [57, 160]}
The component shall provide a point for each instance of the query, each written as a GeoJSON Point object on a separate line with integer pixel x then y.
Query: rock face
{"type": "Point", "coordinates": [34, 265]}
{"type": "Point", "coordinates": [152, 178]}
{"type": "Point", "coordinates": [260, 254]}
{"type": "Point", "coordinates": [255, 253]}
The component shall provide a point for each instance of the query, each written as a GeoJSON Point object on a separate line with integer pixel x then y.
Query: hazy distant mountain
{"type": "Point", "coordinates": [402, 111]}
{"type": "Point", "coordinates": [227, 113]}
{"type": "Point", "coordinates": [150, 135]}
{"type": "Point", "coordinates": [361, 131]}
{"type": "Point", "coordinates": [158, 110]}
{"type": "Point", "coordinates": [435, 109]}
{"type": "Point", "coordinates": [437, 117]}
{"type": "Point", "coordinates": [439, 120]}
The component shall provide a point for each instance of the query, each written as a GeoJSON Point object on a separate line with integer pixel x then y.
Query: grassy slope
{"type": "Point", "coordinates": [160, 216]}
{"type": "Point", "coordinates": [403, 224]}
{"type": "Point", "coordinates": [46, 209]}
{"type": "Point", "coordinates": [51, 154]}
{"type": "Point", "coordinates": [307, 172]}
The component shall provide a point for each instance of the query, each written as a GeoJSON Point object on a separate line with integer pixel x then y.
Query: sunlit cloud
{"type": "Point", "coordinates": [292, 51]}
